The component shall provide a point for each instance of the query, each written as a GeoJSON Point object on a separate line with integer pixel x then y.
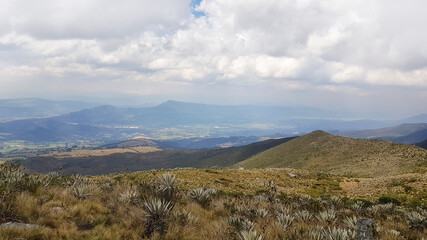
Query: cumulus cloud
{"type": "Point", "coordinates": [297, 47]}
{"type": "Point", "coordinates": [91, 19]}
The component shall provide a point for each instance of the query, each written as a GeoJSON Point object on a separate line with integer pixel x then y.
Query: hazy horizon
{"type": "Point", "coordinates": [366, 57]}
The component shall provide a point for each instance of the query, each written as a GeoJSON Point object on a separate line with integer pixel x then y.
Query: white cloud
{"type": "Point", "coordinates": [336, 46]}
{"type": "Point", "coordinates": [91, 18]}
{"type": "Point", "coordinates": [398, 78]}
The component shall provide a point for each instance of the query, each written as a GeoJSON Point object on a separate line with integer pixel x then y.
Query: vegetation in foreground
{"type": "Point", "coordinates": [175, 204]}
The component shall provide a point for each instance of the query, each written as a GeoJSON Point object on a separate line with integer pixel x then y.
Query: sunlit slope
{"type": "Point", "coordinates": [321, 151]}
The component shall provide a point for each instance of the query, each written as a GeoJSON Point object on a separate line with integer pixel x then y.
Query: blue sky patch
{"type": "Point", "coordinates": [194, 4]}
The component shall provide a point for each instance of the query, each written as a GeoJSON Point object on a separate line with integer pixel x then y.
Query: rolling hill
{"type": "Point", "coordinates": [420, 118]}
{"type": "Point", "coordinates": [186, 143]}
{"type": "Point", "coordinates": [412, 138]}
{"type": "Point", "coordinates": [324, 152]}
{"type": "Point", "coordinates": [132, 161]}
{"type": "Point", "coordinates": [137, 142]}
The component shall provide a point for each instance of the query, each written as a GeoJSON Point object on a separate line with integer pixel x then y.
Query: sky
{"type": "Point", "coordinates": [336, 54]}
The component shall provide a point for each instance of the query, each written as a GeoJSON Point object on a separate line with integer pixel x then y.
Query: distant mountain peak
{"type": "Point", "coordinates": [318, 134]}
{"type": "Point", "coordinates": [174, 102]}
{"type": "Point", "coordinates": [104, 107]}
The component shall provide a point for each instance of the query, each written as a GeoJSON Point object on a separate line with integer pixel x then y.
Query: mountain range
{"type": "Point", "coordinates": [172, 119]}
{"type": "Point", "coordinates": [13, 109]}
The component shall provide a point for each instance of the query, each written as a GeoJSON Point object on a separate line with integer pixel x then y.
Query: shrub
{"type": "Point", "coordinates": [147, 190]}
{"type": "Point", "coordinates": [362, 202]}
{"type": "Point", "coordinates": [387, 199]}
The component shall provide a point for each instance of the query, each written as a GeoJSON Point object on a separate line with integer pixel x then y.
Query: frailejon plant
{"type": "Point", "coordinates": [357, 207]}
{"type": "Point", "coordinates": [387, 208]}
{"type": "Point", "coordinates": [374, 210]}
{"type": "Point", "coordinates": [75, 178]}
{"type": "Point", "coordinates": [393, 232]}
{"type": "Point", "coordinates": [202, 196]}
{"type": "Point", "coordinates": [285, 220]}
{"type": "Point", "coordinates": [240, 224]}
{"type": "Point", "coordinates": [156, 216]}
{"type": "Point", "coordinates": [332, 202]}
{"type": "Point", "coordinates": [129, 196]}
{"type": "Point", "coordinates": [261, 213]}
{"type": "Point", "coordinates": [241, 210]}
{"type": "Point", "coordinates": [249, 235]}
{"type": "Point", "coordinates": [167, 186]}
{"type": "Point", "coordinates": [284, 209]}
{"type": "Point", "coordinates": [336, 234]}
{"type": "Point", "coordinates": [315, 233]}
{"type": "Point", "coordinates": [13, 177]}
{"type": "Point", "coordinates": [351, 222]}
{"type": "Point", "coordinates": [304, 215]}
{"type": "Point", "coordinates": [327, 216]}
{"type": "Point", "coordinates": [81, 189]}
{"type": "Point", "coordinates": [185, 218]}
{"type": "Point", "coordinates": [416, 221]}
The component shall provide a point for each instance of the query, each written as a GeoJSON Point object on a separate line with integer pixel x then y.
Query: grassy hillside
{"type": "Point", "coordinates": [321, 151]}
{"type": "Point", "coordinates": [132, 161]}
{"type": "Point", "coordinates": [208, 204]}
